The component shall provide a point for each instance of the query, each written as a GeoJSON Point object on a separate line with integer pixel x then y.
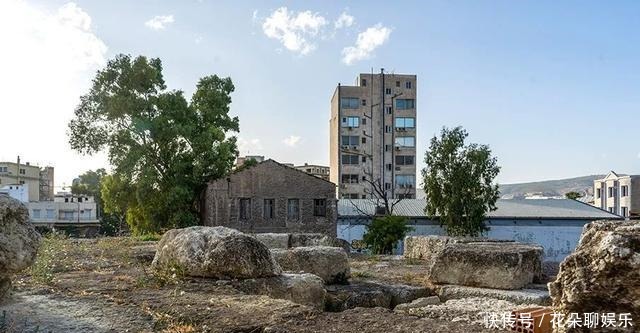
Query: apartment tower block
{"type": "Point", "coordinates": [373, 137]}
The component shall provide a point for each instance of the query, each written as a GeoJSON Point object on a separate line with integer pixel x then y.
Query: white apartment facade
{"type": "Point", "coordinates": [618, 194]}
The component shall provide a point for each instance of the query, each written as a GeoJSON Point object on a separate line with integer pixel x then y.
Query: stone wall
{"type": "Point", "coordinates": [270, 180]}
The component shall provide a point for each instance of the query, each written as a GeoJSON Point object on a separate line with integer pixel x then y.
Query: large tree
{"type": "Point", "coordinates": [459, 183]}
{"type": "Point", "coordinates": [164, 147]}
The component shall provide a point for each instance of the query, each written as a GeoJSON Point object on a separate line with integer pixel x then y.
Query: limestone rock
{"type": "Point", "coordinates": [369, 294]}
{"type": "Point", "coordinates": [305, 289]}
{"type": "Point", "coordinates": [418, 303]}
{"type": "Point", "coordinates": [215, 252]}
{"type": "Point", "coordinates": [522, 296]}
{"type": "Point", "coordinates": [274, 240]}
{"type": "Point", "coordinates": [18, 240]}
{"type": "Point", "coordinates": [603, 274]}
{"type": "Point", "coordinates": [311, 239]}
{"type": "Point", "coordinates": [477, 263]}
{"type": "Point", "coordinates": [329, 263]}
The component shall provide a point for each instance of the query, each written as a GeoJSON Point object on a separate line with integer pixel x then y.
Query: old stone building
{"type": "Point", "coordinates": [271, 197]}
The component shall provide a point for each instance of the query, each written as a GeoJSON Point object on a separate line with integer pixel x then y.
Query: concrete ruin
{"type": "Point", "coordinates": [477, 263]}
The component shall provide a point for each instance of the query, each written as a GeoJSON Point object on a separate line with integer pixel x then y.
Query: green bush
{"type": "Point", "coordinates": [384, 233]}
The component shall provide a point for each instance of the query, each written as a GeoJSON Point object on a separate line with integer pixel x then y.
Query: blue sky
{"type": "Point", "coordinates": [553, 87]}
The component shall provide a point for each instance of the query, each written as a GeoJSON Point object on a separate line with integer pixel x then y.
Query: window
{"type": "Point", "coordinates": [407, 84]}
{"type": "Point", "coordinates": [363, 82]}
{"type": "Point", "coordinates": [293, 209]}
{"type": "Point", "coordinates": [404, 196]}
{"type": "Point", "coordinates": [624, 190]}
{"type": "Point", "coordinates": [350, 122]}
{"type": "Point", "coordinates": [402, 122]}
{"type": "Point", "coordinates": [268, 208]}
{"type": "Point", "coordinates": [610, 209]}
{"type": "Point", "coordinates": [349, 140]}
{"type": "Point", "coordinates": [87, 214]}
{"type": "Point", "coordinates": [350, 196]}
{"type": "Point", "coordinates": [624, 211]}
{"type": "Point", "coordinates": [387, 129]}
{"type": "Point", "coordinates": [405, 181]}
{"type": "Point", "coordinates": [389, 166]}
{"type": "Point", "coordinates": [350, 159]}
{"type": "Point", "coordinates": [404, 104]}
{"type": "Point", "coordinates": [364, 196]}
{"type": "Point", "coordinates": [387, 186]}
{"type": "Point", "coordinates": [364, 159]}
{"type": "Point", "coordinates": [245, 209]}
{"type": "Point", "coordinates": [66, 199]}
{"type": "Point", "coordinates": [404, 159]}
{"type": "Point", "coordinates": [22, 171]}
{"type": "Point", "coordinates": [80, 199]}
{"type": "Point", "coordinates": [349, 102]}
{"type": "Point", "coordinates": [349, 179]}
{"type": "Point", "coordinates": [50, 214]}
{"type": "Point", "coordinates": [389, 109]}
{"type": "Point", "coordinates": [36, 213]}
{"type": "Point", "coordinates": [610, 192]}
{"type": "Point", "coordinates": [364, 140]}
{"type": "Point", "coordinates": [598, 190]}
{"type": "Point", "coordinates": [387, 147]}
{"type": "Point", "coordinates": [68, 215]}
{"type": "Point", "coordinates": [320, 207]}
{"type": "Point", "coordinates": [398, 84]}
{"type": "Point", "coordinates": [387, 91]}
{"type": "Point", "coordinates": [21, 183]}
{"type": "Point", "coordinates": [405, 141]}
{"type": "Point", "coordinates": [364, 121]}
{"type": "Point", "coordinates": [3, 169]}
{"type": "Point", "coordinates": [364, 102]}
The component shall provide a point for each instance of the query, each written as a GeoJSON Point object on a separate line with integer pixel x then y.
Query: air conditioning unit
{"type": "Point", "coordinates": [397, 148]}
{"type": "Point", "coordinates": [397, 168]}
{"type": "Point", "coordinates": [355, 147]}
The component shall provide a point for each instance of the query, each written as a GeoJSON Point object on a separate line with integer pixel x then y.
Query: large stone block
{"type": "Point", "coordinates": [316, 239]}
{"type": "Point", "coordinates": [274, 240]}
{"type": "Point", "coordinates": [368, 294]}
{"type": "Point", "coordinates": [477, 263]}
{"type": "Point", "coordinates": [19, 240]}
{"type": "Point", "coordinates": [305, 289]}
{"type": "Point", "coordinates": [215, 252]}
{"type": "Point", "coordinates": [602, 275]}
{"type": "Point", "coordinates": [329, 263]}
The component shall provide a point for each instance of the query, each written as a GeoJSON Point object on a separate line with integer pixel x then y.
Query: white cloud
{"type": "Point", "coordinates": [291, 141]}
{"type": "Point", "coordinates": [366, 43]}
{"type": "Point", "coordinates": [296, 31]}
{"type": "Point", "coordinates": [49, 57]}
{"type": "Point", "coordinates": [159, 22]}
{"type": "Point", "coordinates": [344, 21]}
{"type": "Point", "coordinates": [249, 146]}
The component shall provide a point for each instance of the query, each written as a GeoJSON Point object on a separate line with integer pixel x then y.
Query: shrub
{"type": "Point", "coordinates": [384, 233]}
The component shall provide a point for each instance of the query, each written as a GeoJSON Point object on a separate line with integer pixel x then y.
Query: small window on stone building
{"type": "Point", "coordinates": [364, 121]}
{"type": "Point", "coordinates": [293, 209]}
{"type": "Point", "coordinates": [245, 209]}
{"type": "Point", "coordinates": [320, 207]}
{"type": "Point", "coordinates": [269, 207]}
{"type": "Point", "coordinates": [364, 140]}
{"type": "Point", "coordinates": [388, 91]}
{"type": "Point", "coordinates": [363, 82]}
{"type": "Point", "coordinates": [407, 84]}
{"type": "Point", "coordinates": [398, 84]}
{"type": "Point", "coordinates": [364, 102]}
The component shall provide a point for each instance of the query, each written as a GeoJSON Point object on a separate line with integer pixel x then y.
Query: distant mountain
{"type": "Point", "coordinates": [549, 188]}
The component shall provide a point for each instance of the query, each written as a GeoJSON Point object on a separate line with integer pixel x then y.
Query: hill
{"type": "Point", "coordinates": [549, 188]}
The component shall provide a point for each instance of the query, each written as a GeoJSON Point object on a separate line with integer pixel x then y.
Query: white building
{"type": "Point", "coordinates": [618, 194]}
{"type": "Point", "coordinates": [17, 191]}
{"type": "Point", "coordinates": [65, 209]}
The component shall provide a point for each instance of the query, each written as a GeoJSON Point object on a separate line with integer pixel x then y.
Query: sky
{"type": "Point", "coordinates": [553, 87]}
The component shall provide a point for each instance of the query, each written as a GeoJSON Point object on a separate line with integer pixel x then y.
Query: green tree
{"type": "Point", "coordinates": [161, 146]}
{"type": "Point", "coordinates": [459, 183]}
{"type": "Point", "coordinates": [384, 233]}
{"type": "Point", "coordinates": [573, 195]}
{"type": "Point", "coordinates": [88, 184]}
{"type": "Point", "coordinates": [247, 164]}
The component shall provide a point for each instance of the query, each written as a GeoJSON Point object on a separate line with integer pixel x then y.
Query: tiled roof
{"type": "Point", "coordinates": [507, 208]}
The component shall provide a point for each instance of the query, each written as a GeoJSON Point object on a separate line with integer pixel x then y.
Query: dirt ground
{"type": "Point", "coordinates": [106, 285]}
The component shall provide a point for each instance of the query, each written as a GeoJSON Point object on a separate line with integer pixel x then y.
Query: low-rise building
{"type": "Point", "coordinates": [19, 192]}
{"type": "Point", "coordinates": [242, 159]}
{"type": "Point", "coordinates": [618, 194]}
{"type": "Point", "coordinates": [320, 171]}
{"type": "Point", "coordinates": [39, 181]}
{"type": "Point", "coordinates": [65, 209]}
{"type": "Point", "coordinates": [271, 197]}
{"type": "Point", "coordinates": [556, 224]}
